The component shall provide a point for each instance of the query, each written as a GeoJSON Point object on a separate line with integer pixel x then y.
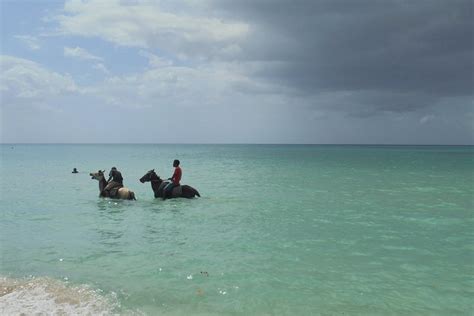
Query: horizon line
{"type": "Point", "coordinates": [296, 144]}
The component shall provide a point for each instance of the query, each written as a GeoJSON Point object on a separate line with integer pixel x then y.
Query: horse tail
{"type": "Point", "coordinates": [196, 192]}
{"type": "Point", "coordinates": [131, 195]}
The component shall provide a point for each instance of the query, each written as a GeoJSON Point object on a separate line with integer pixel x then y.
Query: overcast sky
{"type": "Point", "coordinates": [237, 71]}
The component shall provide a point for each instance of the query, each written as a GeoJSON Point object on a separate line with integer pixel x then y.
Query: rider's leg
{"type": "Point", "coordinates": [168, 190]}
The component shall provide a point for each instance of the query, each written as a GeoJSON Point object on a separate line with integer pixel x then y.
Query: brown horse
{"type": "Point", "coordinates": [122, 193]}
{"type": "Point", "coordinates": [157, 185]}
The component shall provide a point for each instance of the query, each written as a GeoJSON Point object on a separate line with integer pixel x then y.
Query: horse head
{"type": "Point", "coordinates": [99, 175]}
{"type": "Point", "coordinates": [150, 176]}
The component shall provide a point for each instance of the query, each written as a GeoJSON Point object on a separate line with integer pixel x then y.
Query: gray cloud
{"type": "Point", "coordinates": [391, 55]}
{"type": "Point", "coordinates": [320, 71]}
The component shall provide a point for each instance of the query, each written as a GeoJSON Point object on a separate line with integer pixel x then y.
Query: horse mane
{"type": "Point", "coordinates": [155, 177]}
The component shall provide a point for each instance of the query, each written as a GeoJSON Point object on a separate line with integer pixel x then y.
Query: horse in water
{"type": "Point", "coordinates": [122, 193]}
{"type": "Point", "coordinates": [157, 185]}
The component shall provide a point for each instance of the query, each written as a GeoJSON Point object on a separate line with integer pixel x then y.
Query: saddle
{"type": "Point", "coordinates": [177, 191]}
{"type": "Point", "coordinates": [113, 190]}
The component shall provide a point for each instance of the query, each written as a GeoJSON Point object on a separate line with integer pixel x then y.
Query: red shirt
{"type": "Point", "coordinates": [176, 175]}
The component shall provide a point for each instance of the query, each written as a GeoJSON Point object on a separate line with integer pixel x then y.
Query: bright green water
{"type": "Point", "coordinates": [280, 230]}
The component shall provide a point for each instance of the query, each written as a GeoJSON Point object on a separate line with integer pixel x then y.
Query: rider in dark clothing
{"type": "Point", "coordinates": [117, 182]}
{"type": "Point", "coordinates": [115, 175]}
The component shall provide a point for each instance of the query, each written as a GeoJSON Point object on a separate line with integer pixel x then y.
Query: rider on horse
{"type": "Point", "coordinates": [174, 180]}
{"type": "Point", "coordinates": [112, 186]}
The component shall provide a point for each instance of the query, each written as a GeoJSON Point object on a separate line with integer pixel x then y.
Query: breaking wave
{"type": "Point", "coordinates": [43, 295]}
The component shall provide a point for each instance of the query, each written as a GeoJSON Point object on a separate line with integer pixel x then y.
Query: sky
{"type": "Point", "coordinates": [246, 71]}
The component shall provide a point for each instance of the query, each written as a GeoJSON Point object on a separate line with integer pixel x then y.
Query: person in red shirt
{"type": "Point", "coordinates": [174, 179]}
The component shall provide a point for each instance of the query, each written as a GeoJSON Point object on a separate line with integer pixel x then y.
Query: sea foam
{"type": "Point", "coordinates": [42, 295]}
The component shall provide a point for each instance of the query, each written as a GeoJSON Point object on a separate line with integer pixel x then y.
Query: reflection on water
{"type": "Point", "coordinates": [102, 204]}
{"type": "Point", "coordinates": [109, 226]}
{"type": "Point", "coordinates": [113, 206]}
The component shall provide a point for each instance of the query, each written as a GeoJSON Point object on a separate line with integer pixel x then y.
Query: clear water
{"type": "Point", "coordinates": [279, 230]}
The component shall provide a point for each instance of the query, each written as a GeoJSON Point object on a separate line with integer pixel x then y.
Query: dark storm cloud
{"type": "Point", "coordinates": [394, 55]}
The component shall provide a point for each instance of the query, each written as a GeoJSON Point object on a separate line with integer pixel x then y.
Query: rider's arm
{"type": "Point", "coordinates": [174, 173]}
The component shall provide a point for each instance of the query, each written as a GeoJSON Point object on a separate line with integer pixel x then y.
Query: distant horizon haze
{"type": "Point", "coordinates": [263, 144]}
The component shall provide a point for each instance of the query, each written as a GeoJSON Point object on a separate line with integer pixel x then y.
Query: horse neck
{"type": "Point", "coordinates": [102, 184]}
{"type": "Point", "coordinates": [155, 184]}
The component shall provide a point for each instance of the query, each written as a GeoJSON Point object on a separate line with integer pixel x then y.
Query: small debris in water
{"type": "Point", "coordinates": [61, 259]}
{"type": "Point", "coordinates": [204, 273]}
{"type": "Point", "coordinates": [190, 277]}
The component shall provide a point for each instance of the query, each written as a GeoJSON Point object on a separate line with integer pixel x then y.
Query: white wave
{"type": "Point", "coordinates": [47, 296]}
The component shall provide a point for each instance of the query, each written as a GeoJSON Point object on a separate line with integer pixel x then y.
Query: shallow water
{"type": "Point", "coordinates": [279, 230]}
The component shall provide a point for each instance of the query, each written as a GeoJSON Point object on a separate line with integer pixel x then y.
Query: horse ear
{"type": "Point", "coordinates": [153, 170]}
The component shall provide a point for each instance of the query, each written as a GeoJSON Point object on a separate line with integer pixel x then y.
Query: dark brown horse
{"type": "Point", "coordinates": [157, 185]}
{"type": "Point", "coordinates": [122, 193]}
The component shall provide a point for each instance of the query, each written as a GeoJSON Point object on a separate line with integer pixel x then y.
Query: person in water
{"type": "Point", "coordinates": [115, 182]}
{"type": "Point", "coordinates": [174, 179]}
{"type": "Point", "coordinates": [74, 170]}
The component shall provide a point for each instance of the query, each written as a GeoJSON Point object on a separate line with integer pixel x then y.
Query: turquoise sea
{"type": "Point", "coordinates": [279, 230]}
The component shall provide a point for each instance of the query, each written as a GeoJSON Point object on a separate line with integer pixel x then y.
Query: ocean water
{"type": "Point", "coordinates": [279, 230]}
